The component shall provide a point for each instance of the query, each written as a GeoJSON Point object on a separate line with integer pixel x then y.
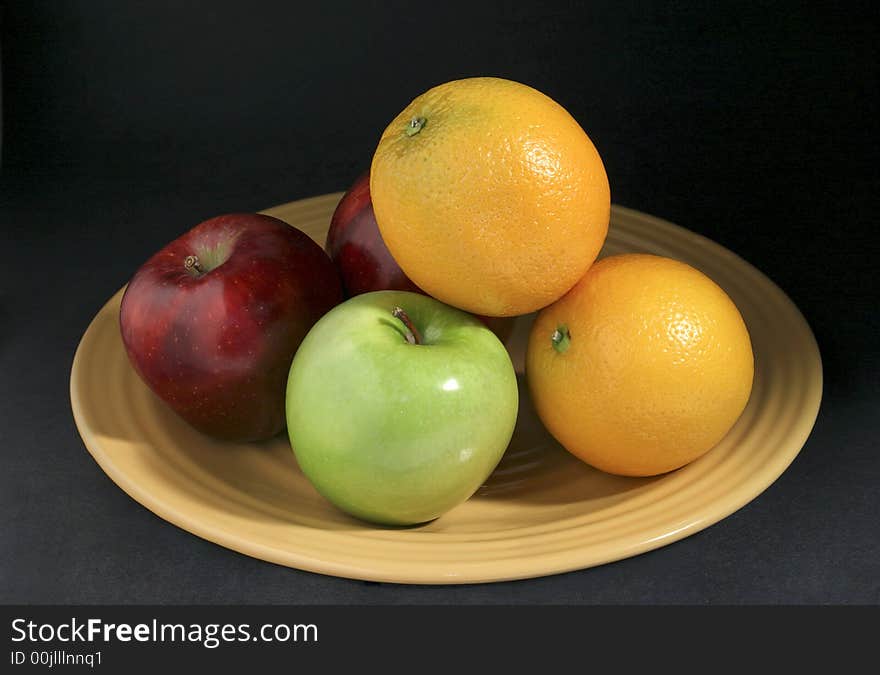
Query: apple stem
{"type": "Point", "coordinates": [412, 333]}
{"type": "Point", "coordinates": [192, 263]}
{"type": "Point", "coordinates": [561, 339]}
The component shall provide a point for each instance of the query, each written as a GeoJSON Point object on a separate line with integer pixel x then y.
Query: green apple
{"type": "Point", "coordinates": [399, 406]}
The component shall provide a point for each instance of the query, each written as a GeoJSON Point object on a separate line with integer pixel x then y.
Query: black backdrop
{"type": "Point", "coordinates": [126, 123]}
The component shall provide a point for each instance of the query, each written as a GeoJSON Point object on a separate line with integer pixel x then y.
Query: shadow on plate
{"type": "Point", "coordinates": [537, 469]}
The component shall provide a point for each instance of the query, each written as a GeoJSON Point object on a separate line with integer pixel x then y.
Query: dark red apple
{"type": "Point", "coordinates": [365, 264]}
{"type": "Point", "coordinates": [211, 322]}
{"type": "Point", "coordinates": [356, 247]}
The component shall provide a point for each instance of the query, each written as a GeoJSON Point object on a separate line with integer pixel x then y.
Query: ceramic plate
{"type": "Point", "coordinates": [541, 512]}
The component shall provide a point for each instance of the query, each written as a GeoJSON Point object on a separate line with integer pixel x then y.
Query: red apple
{"type": "Point", "coordinates": [356, 247]}
{"type": "Point", "coordinates": [211, 322]}
{"type": "Point", "coordinates": [365, 264]}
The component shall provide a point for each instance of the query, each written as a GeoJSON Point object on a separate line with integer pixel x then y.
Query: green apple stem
{"type": "Point", "coordinates": [412, 333]}
{"type": "Point", "coordinates": [192, 263]}
{"type": "Point", "coordinates": [561, 339]}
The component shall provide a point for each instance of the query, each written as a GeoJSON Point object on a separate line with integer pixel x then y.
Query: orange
{"type": "Point", "coordinates": [490, 196]}
{"type": "Point", "coordinates": [642, 367]}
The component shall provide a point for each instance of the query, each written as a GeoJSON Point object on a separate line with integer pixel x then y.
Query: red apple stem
{"type": "Point", "coordinates": [192, 263]}
{"type": "Point", "coordinates": [412, 333]}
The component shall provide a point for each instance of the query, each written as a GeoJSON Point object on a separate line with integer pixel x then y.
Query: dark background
{"type": "Point", "coordinates": [124, 124]}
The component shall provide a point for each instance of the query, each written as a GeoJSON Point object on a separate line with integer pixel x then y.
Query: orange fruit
{"type": "Point", "coordinates": [490, 196]}
{"type": "Point", "coordinates": [642, 367]}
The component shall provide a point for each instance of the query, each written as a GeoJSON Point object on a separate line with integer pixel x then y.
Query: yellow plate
{"type": "Point", "coordinates": [541, 512]}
